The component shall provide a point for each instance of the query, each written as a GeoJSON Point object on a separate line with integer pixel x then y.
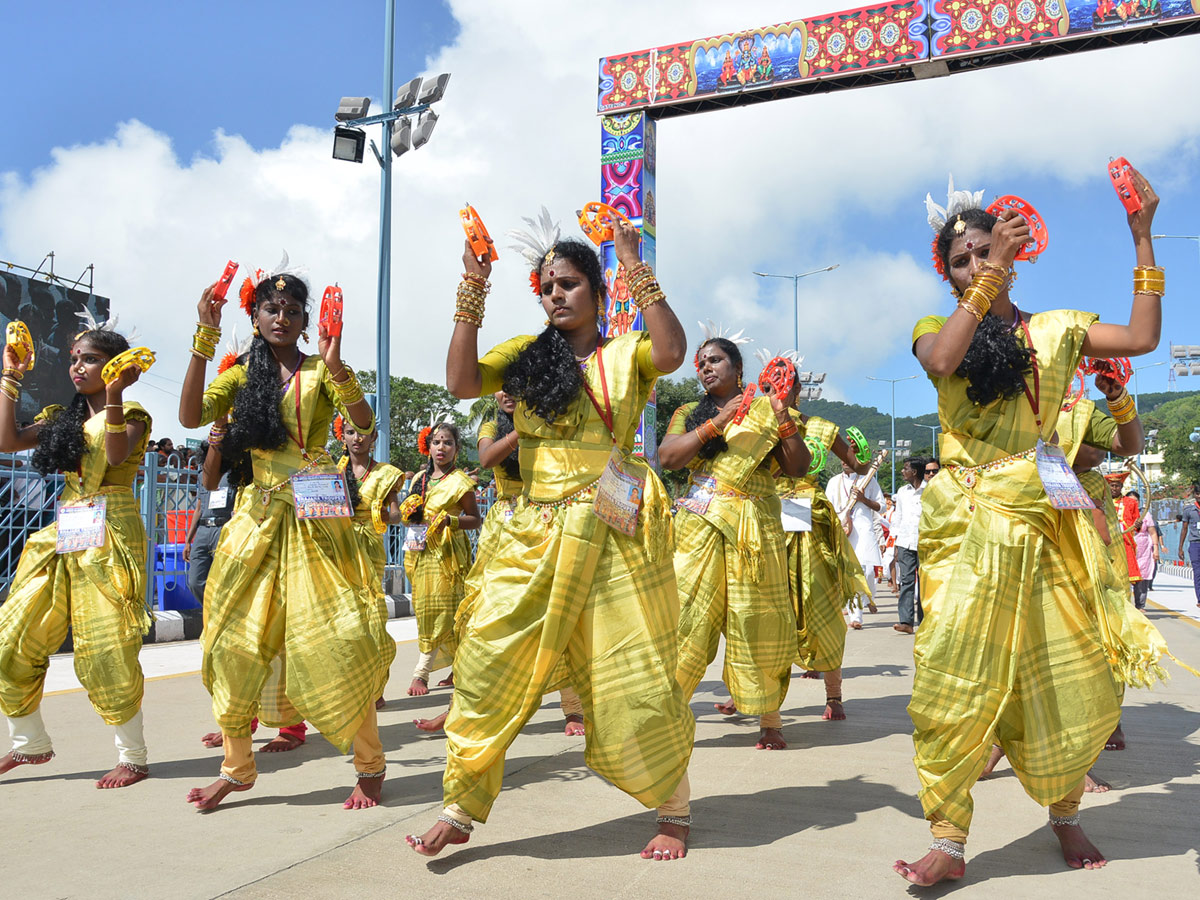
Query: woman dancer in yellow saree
{"type": "Point", "coordinates": [287, 575]}
{"type": "Point", "coordinates": [730, 555]}
{"type": "Point", "coordinates": [98, 590]}
{"type": "Point", "coordinates": [1016, 642]}
{"type": "Point", "coordinates": [563, 581]}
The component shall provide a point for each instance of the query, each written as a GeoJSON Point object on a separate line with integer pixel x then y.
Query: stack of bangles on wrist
{"type": "Point", "coordinates": [204, 342]}
{"type": "Point", "coordinates": [788, 429]}
{"type": "Point", "coordinates": [707, 431]}
{"type": "Point", "coordinates": [349, 391]}
{"type": "Point", "coordinates": [216, 434]}
{"type": "Point", "coordinates": [472, 292]}
{"type": "Point", "coordinates": [1123, 409]}
{"type": "Point", "coordinates": [115, 427]}
{"type": "Point", "coordinates": [1149, 280]}
{"type": "Point", "coordinates": [643, 286]}
{"type": "Point", "coordinates": [10, 384]}
{"type": "Point", "coordinates": [983, 289]}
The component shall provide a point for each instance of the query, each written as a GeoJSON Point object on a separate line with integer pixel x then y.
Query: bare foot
{"type": "Point", "coordinates": [448, 681]}
{"type": "Point", "coordinates": [857, 626]}
{"type": "Point", "coordinates": [931, 868]}
{"type": "Point", "coordinates": [810, 673]}
{"type": "Point", "coordinates": [770, 739]}
{"type": "Point", "coordinates": [669, 843]}
{"type": "Point", "coordinates": [726, 709]}
{"type": "Point", "coordinates": [209, 797]}
{"type": "Point", "coordinates": [213, 739]}
{"type": "Point", "coordinates": [432, 725]}
{"type": "Point", "coordinates": [574, 726]}
{"type": "Point", "coordinates": [365, 794]}
{"type": "Point", "coordinates": [997, 755]}
{"type": "Point", "coordinates": [1094, 785]}
{"type": "Point", "coordinates": [24, 759]}
{"type": "Point", "coordinates": [121, 776]}
{"type": "Point", "coordinates": [282, 743]}
{"type": "Point", "coordinates": [418, 688]}
{"type": "Point", "coordinates": [380, 703]}
{"type": "Point", "coordinates": [1078, 851]}
{"type": "Point", "coordinates": [834, 711]}
{"type": "Point", "coordinates": [1116, 740]}
{"type": "Point", "coordinates": [871, 607]}
{"type": "Point", "coordinates": [432, 842]}
{"type": "Point", "coordinates": [903, 628]}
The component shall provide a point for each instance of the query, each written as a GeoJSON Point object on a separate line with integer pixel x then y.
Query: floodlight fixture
{"type": "Point", "coordinates": [1179, 369]}
{"type": "Point", "coordinates": [818, 378]}
{"type": "Point", "coordinates": [434, 89]}
{"type": "Point", "coordinates": [406, 96]}
{"type": "Point", "coordinates": [402, 136]}
{"type": "Point", "coordinates": [425, 123]}
{"type": "Point", "coordinates": [348, 143]}
{"type": "Point", "coordinates": [1179, 351]}
{"type": "Point", "coordinates": [1196, 368]}
{"type": "Point", "coordinates": [352, 108]}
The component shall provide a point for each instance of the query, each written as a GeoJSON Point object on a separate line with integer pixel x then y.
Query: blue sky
{"type": "Point", "coordinates": [158, 140]}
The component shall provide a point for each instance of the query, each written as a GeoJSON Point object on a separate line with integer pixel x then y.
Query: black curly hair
{"type": "Point", "coordinates": [504, 427]}
{"type": "Point", "coordinates": [545, 374]}
{"type": "Point", "coordinates": [707, 407]}
{"type": "Point", "coordinates": [352, 487]}
{"type": "Point", "coordinates": [255, 422]}
{"type": "Point", "coordinates": [421, 482]}
{"type": "Point", "coordinates": [996, 362]}
{"type": "Point", "coordinates": [61, 443]}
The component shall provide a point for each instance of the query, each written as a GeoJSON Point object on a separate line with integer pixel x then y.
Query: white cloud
{"type": "Point", "coordinates": [770, 187]}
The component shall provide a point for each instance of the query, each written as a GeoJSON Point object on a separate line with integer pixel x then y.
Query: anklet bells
{"type": "Point", "coordinates": [953, 849]}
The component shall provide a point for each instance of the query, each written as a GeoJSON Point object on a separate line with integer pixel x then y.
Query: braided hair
{"type": "Point", "coordinates": [61, 444]}
{"type": "Point", "coordinates": [707, 407]}
{"type": "Point", "coordinates": [545, 373]}
{"type": "Point", "coordinates": [995, 363]}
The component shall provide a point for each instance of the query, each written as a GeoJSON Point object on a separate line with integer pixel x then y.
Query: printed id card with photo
{"type": "Point", "coordinates": [619, 495]}
{"type": "Point", "coordinates": [1060, 481]}
{"type": "Point", "coordinates": [699, 495]}
{"type": "Point", "coordinates": [81, 525]}
{"type": "Point", "coordinates": [321, 496]}
{"type": "Point", "coordinates": [414, 537]}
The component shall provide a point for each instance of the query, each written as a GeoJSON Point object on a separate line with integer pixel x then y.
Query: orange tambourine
{"type": "Point", "coordinates": [477, 234]}
{"type": "Point", "coordinates": [1037, 226]}
{"type": "Point", "coordinates": [744, 406]}
{"type": "Point", "coordinates": [596, 220]}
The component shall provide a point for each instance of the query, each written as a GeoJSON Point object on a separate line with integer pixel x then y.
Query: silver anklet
{"type": "Point", "coordinates": [953, 849]}
{"type": "Point", "coordinates": [233, 780]}
{"type": "Point", "coordinates": [378, 774]}
{"type": "Point", "coordinates": [464, 827]}
{"type": "Point", "coordinates": [35, 758]}
{"type": "Point", "coordinates": [681, 821]}
{"type": "Point", "coordinates": [134, 768]}
{"type": "Point", "coordinates": [1064, 820]}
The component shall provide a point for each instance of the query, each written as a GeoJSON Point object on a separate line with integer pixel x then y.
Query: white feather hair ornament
{"type": "Point", "coordinates": [90, 324]}
{"type": "Point", "coordinates": [713, 330]}
{"type": "Point", "coordinates": [956, 202]}
{"type": "Point", "coordinates": [284, 267]}
{"type": "Point", "coordinates": [538, 241]}
{"type": "Point", "coordinates": [764, 356]}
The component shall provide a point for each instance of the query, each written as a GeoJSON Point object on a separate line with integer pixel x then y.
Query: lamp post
{"type": "Point", "coordinates": [893, 381]}
{"type": "Point", "coordinates": [796, 295]}
{"type": "Point", "coordinates": [933, 430]}
{"type": "Point", "coordinates": [349, 137]}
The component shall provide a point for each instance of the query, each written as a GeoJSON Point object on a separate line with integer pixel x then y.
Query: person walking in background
{"type": "Point", "coordinates": [863, 497]}
{"type": "Point", "coordinates": [904, 529]}
{"type": "Point", "coordinates": [1189, 534]}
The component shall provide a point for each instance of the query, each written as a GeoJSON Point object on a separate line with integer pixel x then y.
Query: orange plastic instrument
{"type": "Point", "coordinates": [331, 311]}
{"type": "Point", "coordinates": [1037, 226]}
{"type": "Point", "coordinates": [225, 281]}
{"type": "Point", "coordinates": [1121, 173]}
{"type": "Point", "coordinates": [596, 219]}
{"type": "Point", "coordinates": [744, 406]}
{"type": "Point", "coordinates": [477, 234]}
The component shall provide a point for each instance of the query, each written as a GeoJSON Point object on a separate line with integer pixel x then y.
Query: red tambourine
{"type": "Point", "coordinates": [1119, 369]}
{"type": "Point", "coordinates": [331, 311]}
{"type": "Point", "coordinates": [780, 374]}
{"type": "Point", "coordinates": [744, 406]}
{"type": "Point", "coordinates": [225, 281]}
{"type": "Point", "coordinates": [1121, 173]}
{"type": "Point", "coordinates": [1037, 226]}
{"type": "Point", "coordinates": [596, 220]}
{"type": "Point", "coordinates": [1077, 389]}
{"type": "Point", "coordinates": [477, 234]}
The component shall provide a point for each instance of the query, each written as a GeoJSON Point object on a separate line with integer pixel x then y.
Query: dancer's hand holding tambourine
{"type": "Point", "coordinates": [474, 265]}
{"type": "Point", "coordinates": [330, 348]}
{"type": "Point", "coordinates": [14, 340]}
{"type": "Point", "coordinates": [208, 310]}
{"type": "Point", "coordinates": [1140, 222]}
{"type": "Point", "coordinates": [780, 403]}
{"type": "Point", "coordinates": [1010, 233]}
{"type": "Point", "coordinates": [627, 239]}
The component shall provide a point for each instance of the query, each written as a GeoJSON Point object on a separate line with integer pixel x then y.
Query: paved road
{"type": "Point", "coordinates": [826, 817]}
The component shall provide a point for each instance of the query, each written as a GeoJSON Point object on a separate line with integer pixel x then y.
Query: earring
{"type": "Point", "coordinates": [304, 335]}
{"type": "Point", "coordinates": [256, 334]}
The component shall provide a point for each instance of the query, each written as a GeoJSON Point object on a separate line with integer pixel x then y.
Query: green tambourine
{"type": "Point", "coordinates": [858, 443]}
{"type": "Point", "coordinates": [817, 449]}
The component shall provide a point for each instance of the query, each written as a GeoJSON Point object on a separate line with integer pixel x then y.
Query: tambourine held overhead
{"type": "Point", "coordinates": [226, 279]}
{"type": "Point", "coordinates": [1038, 234]}
{"type": "Point", "coordinates": [1121, 173]}
{"type": "Point", "coordinates": [17, 336]}
{"type": "Point", "coordinates": [477, 234]}
{"type": "Point", "coordinates": [597, 220]}
{"type": "Point", "coordinates": [780, 374]}
{"type": "Point", "coordinates": [332, 306]}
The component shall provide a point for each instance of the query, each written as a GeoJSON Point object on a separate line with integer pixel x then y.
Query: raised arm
{"type": "Point", "coordinates": [463, 378]}
{"type": "Point", "coordinates": [120, 435]}
{"type": "Point", "coordinates": [11, 437]}
{"type": "Point", "coordinates": [791, 452]}
{"type": "Point", "coordinates": [1130, 437]}
{"type": "Point", "coordinates": [668, 340]}
{"type": "Point", "coordinates": [208, 330]}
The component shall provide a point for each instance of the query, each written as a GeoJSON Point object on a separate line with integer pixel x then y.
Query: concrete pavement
{"type": "Point", "coordinates": [826, 817]}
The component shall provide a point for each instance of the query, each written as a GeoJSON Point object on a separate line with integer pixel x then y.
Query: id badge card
{"type": "Point", "coordinates": [81, 525]}
{"type": "Point", "coordinates": [619, 495]}
{"type": "Point", "coordinates": [321, 496]}
{"type": "Point", "coordinates": [1060, 482]}
{"type": "Point", "coordinates": [699, 495]}
{"type": "Point", "coordinates": [218, 498]}
{"type": "Point", "coordinates": [414, 537]}
{"type": "Point", "coordinates": [796, 513]}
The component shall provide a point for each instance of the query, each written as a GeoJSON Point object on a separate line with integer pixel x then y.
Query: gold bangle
{"type": "Point", "coordinates": [114, 427]}
{"type": "Point", "coordinates": [970, 307]}
{"type": "Point", "coordinates": [788, 430]}
{"type": "Point", "coordinates": [14, 374]}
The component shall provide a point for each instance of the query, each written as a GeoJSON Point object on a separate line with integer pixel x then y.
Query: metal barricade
{"type": "Point", "coordinates": [393, 544]}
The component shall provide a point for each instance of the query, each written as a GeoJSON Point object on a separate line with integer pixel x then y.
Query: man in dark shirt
{"type": "Point", "coordinates": [1189, 535]}
{"type": "Point", "coordinates": [213, 509]}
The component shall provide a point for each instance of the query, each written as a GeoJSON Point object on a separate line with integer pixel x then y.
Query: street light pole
{"type": "Point", "coordinates": [383, 320]}
{"type": "Point", "coordinates": [796, 295]}
{"type": "Point", "coordinates": [893, 447]}
{"type": "Point", "coordinates": [1136, 391]}
{"type": "Point", "coordinates": [933, 430]}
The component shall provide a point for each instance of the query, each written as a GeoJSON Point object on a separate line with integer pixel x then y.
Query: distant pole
{"type": "Point", "coordinates": [383, 322]}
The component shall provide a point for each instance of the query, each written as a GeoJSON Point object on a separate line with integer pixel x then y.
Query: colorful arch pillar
{"type": "Point", "coordinates": [627, 144]}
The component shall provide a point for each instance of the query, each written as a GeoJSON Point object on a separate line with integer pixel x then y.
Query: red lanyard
{"type": "Point", "coordinates": [1034, 398]}
{"type": "Point", "coordinates": [295, 376]}
{"type": "Point", "coordinates": [606, 414]}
